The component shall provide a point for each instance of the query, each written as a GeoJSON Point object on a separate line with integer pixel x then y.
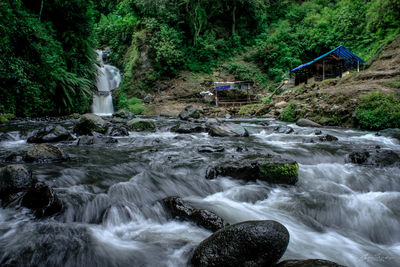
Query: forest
{"type": "Point", "coordinates": [47, 59]}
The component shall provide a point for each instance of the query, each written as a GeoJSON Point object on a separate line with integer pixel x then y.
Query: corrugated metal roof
{"type": "Point", "coordinates": [340, 51]}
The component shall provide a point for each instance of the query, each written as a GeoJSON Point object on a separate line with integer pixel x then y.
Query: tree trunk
{"type": "Point", "coordinates": [234, 18]}
{"type": "Point", "coordinates": [41, 10]}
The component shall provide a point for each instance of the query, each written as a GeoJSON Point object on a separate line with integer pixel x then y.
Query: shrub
{"type": "Point", "coordinates": [377, 110]}
{"type": "Point", "coordinates": [288, 114]}
{"type": "Point", "coordinates": [135, 106]}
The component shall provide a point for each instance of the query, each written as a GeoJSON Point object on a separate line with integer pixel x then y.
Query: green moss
{"type": "Point", "coordinates": [249, 110]}
{"type": "Point", "coordinates": [3, 119]}
{"type": "Point", "coordinates": [280, 172]}
{"type": "Point", "coordinates": [288, 114]}
{"type": "Point", "coordinates": [138, 125]}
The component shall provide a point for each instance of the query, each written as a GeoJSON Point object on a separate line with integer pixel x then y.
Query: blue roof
{"type": "Point", "coordinates": [340, 51]}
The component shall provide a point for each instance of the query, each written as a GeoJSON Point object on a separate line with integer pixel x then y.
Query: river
{"type": "Point", "coordinates": [341, 212]}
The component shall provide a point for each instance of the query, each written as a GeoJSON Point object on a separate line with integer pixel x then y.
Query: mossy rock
{"type": "Point", "coordinates": [140, 125]}
{"type": "Point", "coordinates": [280, 172]}
{"type": "Point", "coordinates": [89, 123]}
{"type": "Point", "coordinates": [3, 119]}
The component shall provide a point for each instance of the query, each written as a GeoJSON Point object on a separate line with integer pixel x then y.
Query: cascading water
{"type": "Point", "coordinates": [108, 78]}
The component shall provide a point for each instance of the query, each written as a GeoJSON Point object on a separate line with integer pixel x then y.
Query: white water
{"type": "Point", "coordinates": [108, 78]}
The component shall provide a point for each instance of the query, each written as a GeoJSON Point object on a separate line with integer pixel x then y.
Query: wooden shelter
{"type": "Point", "coordinates": [222, 88]}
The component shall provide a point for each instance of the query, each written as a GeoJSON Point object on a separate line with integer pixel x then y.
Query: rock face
{"type": "Point", "coordinates": [89, 123]}
{"type": "Point", "coordinates": [50, 134]}
{"type": "Point", "coordinates": [140, 125]}
{"type": "Point", "coordinates": [252, 243]}
{"type": "Point", "coordinates": [179, 209]}
{"type": "Point", "coordinates": [188, 128]}
{"type": "Point", "coordinates": [42, 201]}
{"type": "Point", "coordinates": [308, 263]}
{"type": "Point", "coordinates": [14, 179]}
{"type": "Point", "coordinates": [379, 157]}
{"type": "Point", "coordinates": [45, 153]}
{"type": "Point", "coordinates": [189, 112]}
{"type": "Point", "coordinates": [307, 123]}
{"type": "Point", "coordinates": [227, 129]}
{"type": "Point", "coordinates": [272, 169]}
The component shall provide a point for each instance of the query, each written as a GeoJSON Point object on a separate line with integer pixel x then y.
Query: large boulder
{"type": "Point", "coordinates": [227, 129]}
{"type": "Point", "coordinates": [42, 201]}
{"type": "Point", "coordinates": [283, 129]}
{"type": "Point", "coordinates": [50, 134]}
{"type": "Point", "coordinates": [15, 179]}
{"type": "Point", "coordinates": [378, 157]}
{"type": "Point", "coordinates": [123, 114]}
{"type": "Point", "coordinates": [391, 132]}
{"type": "Point", "coordinates": [189, 112]}
{"type": "Point", "coordinates": [117, 131]}
{"type": "Point", "coordinates": [308, 263]}
{"type": "Point", "coordinates": [141, 125]}
{"type": "Point", "coordinates": [307, 123]}
{"type": "Point", "coordinates": [96, 140]}
{"type": "Point", "coordinates": [252, 243]}
{"type": "Point", "coordinates": [89, 123]}
{"type": "Point", "coordinates": [45, 153]}
{"type": "Point", "coordinates": [182, 210]}
{"type": "Point", "coordinates": [188, 128]}
{"type": "Point", "coordinates": [272, 169]}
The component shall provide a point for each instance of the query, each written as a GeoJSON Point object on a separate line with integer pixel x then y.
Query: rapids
{"type": "Point", "coordinates": [341, 212]}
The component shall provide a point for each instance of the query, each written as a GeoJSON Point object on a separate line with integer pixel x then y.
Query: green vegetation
{"type": "Point", "coordinates": [250, 110]}
{"type": "Point", "coordinates": [286, 173]}
{"type": "Point", "coordinates": [377, 110]}
{"type": "Point", "coordinates": [139, 125]}
{"type": "Point", "coordinates": [394, 84]}
{"type": "Point", "coordinates": [289, 113]}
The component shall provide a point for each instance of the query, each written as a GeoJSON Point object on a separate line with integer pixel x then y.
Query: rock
{"type": "Point", "coordinates": [328, 138]}
{"type": "Point", "coordinates": [180, 209]}
{"type": "Point", "coordinates": [89, 123]}
{"type": "Point", "coordinates": [227, 129]}
{"type": "Point", "coordinates": [75, 116]}
{"type": "Point", "coordinates": [211, 149]}
{"type": "Point", "coordinates": [6, 137]}
{"type": "Point", "coordinates": [308, 263]}
{"type": "Point", "coordinates": [391, 132]}
{"type": "Point", "coordinates": [252, 243]}
{"type": "Point", "coordinates": [379, 157]}
{"type": "Point", "coordinates": [148, 99]}
{"type": "Point", "coordinates": [307, 123]}
{"type": "Point", "coordinates": [14, 179]}
{"type": "Point", "coordinates": [50, 134]}
{"type": "Point", "coordinates": [212, 121]}
{"type": "Point", "coordinates": [117, 131]}
{"type": "Point", "coordinates": [189, 112]}
{"type": "Point", "coordinates": [42, 201]}
{"type": "Point", "coordinates": [282, 104]}
{"type": "Point", "coordinates": [284, 129]}
{"type": "Point", "coordinates": [140, 125]}
{"type": "Point", "coordinates": [14, 158]}
{"type": "Point", "coordinates": [96, 140]}
{"type": "Point", "coordinates": [317, 132]}
{"type": "Point", "coordinates": [45, 153]}
{"type": "Point", "coordinates": [272, 169]}
{"type": "Point", "coordinates": [123, 114]}
{"type": "Point", "coordinates": [188, 128]}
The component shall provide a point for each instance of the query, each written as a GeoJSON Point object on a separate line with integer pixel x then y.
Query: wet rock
{"type": "Point", "coordinates": [117, 131]}
{"type": "Point", "coordinates": [308, 263]}
{"type": "Point", "coordinates": [227, 130]}
{"type": "Point", "coordinates": [188, 128]}
{"type": "Point", "coordinates": [42, 201]}
{"type": "Point", "coordinates": [96, 140]}
{"type": "Point", "coordinates": [317, 132]}
{"type": "Point", "coordinates": [189, 112]}
{"type": "Point", "coordinates": [89, 123]}
{"type": "Point", "coordinates": [6, 137]}
{"type": "Point", "coordinates": [252, 243]}
{"type": "Point", "coordinates": [272, 169]}
{"type": "Point", "coordinates": [180, 209]}
{"type": "Point", "coordinates": [324, 138]}
{"type": "Point", "coordinates": [14, 158]}
{"type": "Point", "coordinates": [211, 149]}
{"type": "Point", "coordinates": [45, 153]}
{"type": "Point", "coordinates": [14, 179]}
{"type": "Point", "coordinates": [123, 114]}
{"type": "Point", "coordinates": [50, 134]}
{"type": "Point", "coordinates": [141, 125]}
{"type": "Point", "coordinates": [307, 123]}
{"type": "Point", "coordinates": [283, 129]}
{"type": "Point", "coordinates": [391, 132]}
{"type": "Point", "coordinates": [378, 157]}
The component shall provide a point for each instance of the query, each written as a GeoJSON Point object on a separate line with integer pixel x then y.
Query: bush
{"type": "Point", "coordinates": [133, 105]}
{"type": "Point", "coordinates": [377, 111]}
{"type": "Point", "coordinates": [288, 114]}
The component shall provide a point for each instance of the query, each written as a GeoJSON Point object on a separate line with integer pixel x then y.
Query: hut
{"type": "Point", "coordinates": [333, 64]}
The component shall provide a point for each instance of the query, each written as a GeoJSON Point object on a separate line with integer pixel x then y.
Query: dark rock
{"type": "Point", "coordinates": [14, 179]}
{"type": "Point", "coordinates": [284, 129]}
{"type": "Point", "coordinates": [308, 263]}
{"type": "Point", "coordinates": [391, 132]}
{"type": "Point", "coordinates": [96, 140]}
{"type": "Point", "coordinates": [14, 158]}
{"type": "Point", "coordinates": [307, 123]}
{"type": "Point", "coordinates": [272, 169]}
{"type": "Point", "coordinates": [45, 153]}
{"type": "Point", "coordinates": [227, 129]}
{"type": "Point", "coordinates": [252, 243]}
{"type": "Point", "coordinates": [6, 137]}
{"type": "Point", "coordinates": [328, 138]}
{"type": "Point", "coordinates": [317, 132]}
{"type": "Point", "coordinates": [117, 131]}
{"type": "Point", "coordinates": [141, 125]}
{"type": "Point", "coordinates": [180, 209]}
{"type": "Point", "coordinates": [211, 149]}
{"type": "Point", "coordinates": [241, 149]}
{"type": "Point", "coordinates": [188, 128]}
{"type": "Point", "coordinates": [42, 201]}
{"type": "Point", "coordinates": [379, 157]}
{"type": "Point", "coordinates": [50, 134]}
{"type": "Point", "coordinates": [123, 114]}
{"type": "Point", "coordinates": [89, 123]}
{"type": "Point", "coordinates": [189, 112]}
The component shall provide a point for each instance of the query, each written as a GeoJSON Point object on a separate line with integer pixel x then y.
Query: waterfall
{"type": "Point", "coordinates": [108, 78]}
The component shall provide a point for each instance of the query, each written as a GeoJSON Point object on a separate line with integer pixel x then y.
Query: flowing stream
{"type": "Point", "coordinates": [340, 212]}
{"type": "Point", "coordinates": [108, 78]}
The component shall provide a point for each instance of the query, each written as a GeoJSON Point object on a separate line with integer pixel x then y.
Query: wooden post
{"type": "Point", "coordinates": [323, 69]}
{"type": "Point", "coordinates": [216, 99]}
{"type": "Point", "coordinates": [358, 66]}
